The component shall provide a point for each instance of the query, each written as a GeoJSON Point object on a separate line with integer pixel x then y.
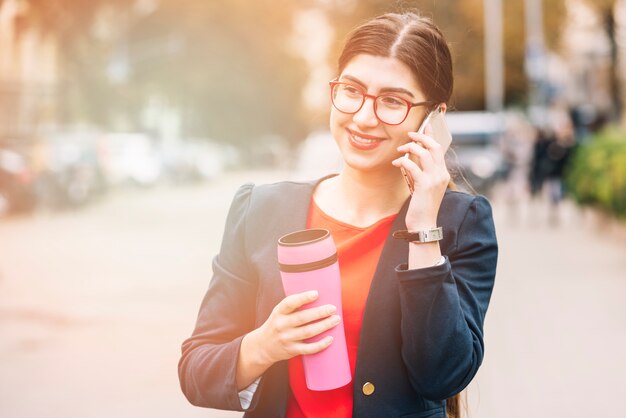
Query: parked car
{"type": "Point", "coordinates": [71, 173]}
{"type": "Point", "coordinates": [197, 159]}
{"type": "Point", "coordinates": [17, 183]}
{"type": "Point", "coordinates": [476, 154]}
{"type": "Point", "coordinates": [267, 151]}
{"type": "Point", "coordinates": [131, 158]}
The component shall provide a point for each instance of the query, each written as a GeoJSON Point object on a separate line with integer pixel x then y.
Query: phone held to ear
{"type": "Point", "coordinates": [439, 132]}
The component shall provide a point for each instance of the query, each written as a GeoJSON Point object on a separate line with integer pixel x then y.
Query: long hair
{"type": "Point", "coordinates": [416, 42]}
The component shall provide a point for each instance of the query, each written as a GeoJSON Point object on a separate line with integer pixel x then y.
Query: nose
{"type": "Point", "coordinates": [366, 117]}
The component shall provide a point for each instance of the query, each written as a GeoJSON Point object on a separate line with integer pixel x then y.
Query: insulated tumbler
{"type": "Point", "coordinates": [308, 261]}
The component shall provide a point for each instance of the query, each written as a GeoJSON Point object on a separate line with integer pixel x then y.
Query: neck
{"type": "Point", "coordinates": [377, 193]}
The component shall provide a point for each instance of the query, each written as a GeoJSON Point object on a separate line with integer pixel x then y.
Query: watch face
{"type": "Point", "coordinates": [430, 235]}
{"type": "Point", "coordinates": [436, 234]}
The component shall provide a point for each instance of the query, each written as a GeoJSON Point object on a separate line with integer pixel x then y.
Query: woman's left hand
{"type": "Point", "coordinates": [427, 168]}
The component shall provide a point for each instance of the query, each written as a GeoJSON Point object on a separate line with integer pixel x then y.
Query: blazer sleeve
{"type": "Point", "coordinates": [207, 367]}
{"type": "Point", "coordinates": [443, 308]}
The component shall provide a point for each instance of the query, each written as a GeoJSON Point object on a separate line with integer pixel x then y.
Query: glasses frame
{"type": "Point", "coordinates": [410, 105]}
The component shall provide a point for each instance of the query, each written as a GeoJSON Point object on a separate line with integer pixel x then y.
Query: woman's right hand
{"type": "Point", "coordinates": [282, 336]}
{"type": "Point", "coordinates": [283, 333]}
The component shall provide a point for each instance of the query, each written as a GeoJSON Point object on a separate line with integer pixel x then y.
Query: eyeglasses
{"type": "Point", "coordinates": [389, 109]}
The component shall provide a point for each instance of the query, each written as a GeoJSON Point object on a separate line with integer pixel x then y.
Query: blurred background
{"type": "Point", "coordinates": [127, 125]}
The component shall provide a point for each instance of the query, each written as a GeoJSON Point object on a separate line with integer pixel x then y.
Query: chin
{"type": "Point", "coordinates": [367, 164]}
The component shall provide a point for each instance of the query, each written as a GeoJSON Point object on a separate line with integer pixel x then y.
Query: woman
{"type": "Point", "coordinates": [413, 311]}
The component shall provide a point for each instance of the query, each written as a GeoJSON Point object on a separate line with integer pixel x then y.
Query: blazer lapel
{"type": "Point", "coordinates": [382, 306]}
{"type": "Point", "coordinates": [290, 216]}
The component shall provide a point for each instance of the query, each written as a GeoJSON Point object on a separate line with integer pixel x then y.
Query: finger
{"type": "Point", "coordinates": [305, 316]}
{"type": "Point", "coordinates": [406, 162]}
{"type": "Point", "coordinates": [425, 139]}
{"type": "Point", "coordinates": [430, 144]}
{"type": "Point", "coordinates": [312, 348]}
{"type": "Point", "coordinates": [292, 302]}
{"type": "Point", "coordinates": [423, 155]}
{"type": "Point", "coordinates": [412, 169]}
{"type": "Point", "coordinates": [316, 328]}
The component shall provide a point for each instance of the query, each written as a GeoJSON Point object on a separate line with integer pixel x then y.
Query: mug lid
{"type": "Point", "coordinates": [303, 237]}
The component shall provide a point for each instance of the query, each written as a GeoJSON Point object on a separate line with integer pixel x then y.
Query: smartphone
{"type": "Point", "coordinates": [439, 132]}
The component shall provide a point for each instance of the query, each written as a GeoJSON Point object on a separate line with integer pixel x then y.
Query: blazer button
{"type": "Point", "coordinates": [368, 388]}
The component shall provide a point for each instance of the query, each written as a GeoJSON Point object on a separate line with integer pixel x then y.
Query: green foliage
{"type": "Point", "coordinates": [596, 174]}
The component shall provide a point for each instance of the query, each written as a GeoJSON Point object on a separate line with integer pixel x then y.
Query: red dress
{"type": "Point", "coordinates": [358, 250]}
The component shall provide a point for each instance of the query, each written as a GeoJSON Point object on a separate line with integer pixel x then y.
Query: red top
{"type": "Point", "coordinates": [358, 250]}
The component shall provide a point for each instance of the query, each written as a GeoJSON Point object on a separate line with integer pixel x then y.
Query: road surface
{"type": "Point", "coordinates": [94, 304]}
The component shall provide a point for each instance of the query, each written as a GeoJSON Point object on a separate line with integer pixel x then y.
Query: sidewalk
{"type": "Point", "coordinates": [95, 304]}
{"type": "Point", "coordinates": [555, 333]}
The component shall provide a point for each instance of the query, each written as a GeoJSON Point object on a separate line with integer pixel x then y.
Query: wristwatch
{"type": "Point", "coordinates": [426, 235]}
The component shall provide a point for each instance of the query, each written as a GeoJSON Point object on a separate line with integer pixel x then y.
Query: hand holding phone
{"type": "Point", "coordinates": [439, 132]}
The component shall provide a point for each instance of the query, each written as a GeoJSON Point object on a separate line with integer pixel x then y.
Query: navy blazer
{"type": "Point", "coordinates": [422, 331]}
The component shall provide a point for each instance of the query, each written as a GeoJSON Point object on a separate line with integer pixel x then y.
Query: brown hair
{"type": "Point", "coordinates": [416, 42]}
{"type": "Point", "coordinates": [413, 40]}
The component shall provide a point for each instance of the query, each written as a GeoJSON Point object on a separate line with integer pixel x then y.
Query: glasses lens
{"type": "Point", "coordinates": [347, 98]}
{"type": "Point", "coordinates": [391, 110]}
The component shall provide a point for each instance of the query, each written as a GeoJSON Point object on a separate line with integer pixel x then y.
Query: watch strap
{"type": "Point", "coordinates": [426, 235]}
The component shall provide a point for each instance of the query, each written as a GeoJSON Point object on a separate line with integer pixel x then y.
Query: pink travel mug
{"type": "Point", "coordinates": [308, 261]}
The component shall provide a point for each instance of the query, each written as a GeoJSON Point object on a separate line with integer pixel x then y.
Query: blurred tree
{"type": "Point", "coordinates": [462, 23]}
{"type": "Point", "coordinates": [606, 10]}
{"type": "Point", "coordinates": [224, 68]}
{"type": "Point", "coordinates": [231, 75]}
{"type": "Point", "coordinates": [82, 53]}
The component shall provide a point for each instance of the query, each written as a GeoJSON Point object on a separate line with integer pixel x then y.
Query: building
{"type": "Point", "coordinates": [586, 52]}
{"type": "Point", "coordinates": [28, 73]}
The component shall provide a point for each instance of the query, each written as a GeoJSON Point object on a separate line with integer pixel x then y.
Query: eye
{"type": "Point", "coordinates": [351, 90]}
{"type": "Point", "coordinates": [391, 101]}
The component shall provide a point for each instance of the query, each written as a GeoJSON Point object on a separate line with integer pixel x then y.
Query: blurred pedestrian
{"type": "Point", "coordinates": [517, 148]}
{"type": "Point", "coordinates": [413, 308]}
{"type": "Point", "coordinates": [538, 165]}
{"type": "Point", "coordinates": [553, 148]}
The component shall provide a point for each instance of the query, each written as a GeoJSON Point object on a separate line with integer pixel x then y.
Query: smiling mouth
{"type": "Point", "coordinates": [363, 141]}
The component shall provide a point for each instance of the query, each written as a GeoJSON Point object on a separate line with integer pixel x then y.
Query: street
{"type": "Point", "coordinates": [95, 303]}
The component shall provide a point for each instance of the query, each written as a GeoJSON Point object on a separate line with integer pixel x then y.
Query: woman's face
{"type": "Point", "coordinates": [366, 143]}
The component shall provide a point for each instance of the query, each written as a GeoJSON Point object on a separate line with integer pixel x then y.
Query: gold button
{"type": "Point", "coordinates": [368, 388]}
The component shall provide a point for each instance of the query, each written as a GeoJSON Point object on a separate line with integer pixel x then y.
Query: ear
{"type": "Point", "coordinates": [443, 107]}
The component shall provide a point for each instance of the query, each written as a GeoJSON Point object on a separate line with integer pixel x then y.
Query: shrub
{"type": "Point", "coordinates": [596, 174]}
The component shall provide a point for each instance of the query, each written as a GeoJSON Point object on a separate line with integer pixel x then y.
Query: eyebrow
{"type": "Point", "coordinates": [383, 90]}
